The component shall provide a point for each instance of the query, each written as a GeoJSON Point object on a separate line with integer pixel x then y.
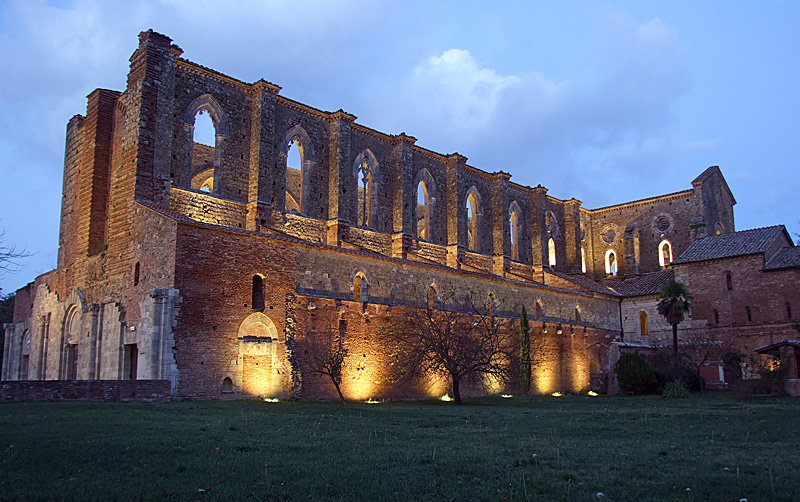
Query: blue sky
{"type": "Point", "coordinates": [602, 101]}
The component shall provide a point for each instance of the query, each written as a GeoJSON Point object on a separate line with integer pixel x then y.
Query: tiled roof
{"type": "Point", "coordinates": [583, 282]}
{"type": "Point", "coordinates": [788, 257]}
{"type": "Point", "coordinates": [740, 243]}
{"type": "Point", "coordinates": [640, 285]}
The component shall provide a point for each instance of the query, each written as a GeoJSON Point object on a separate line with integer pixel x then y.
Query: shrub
{"type": "Point", "coordinates": [668, 369]}
{"type": "Point", "coordinates": [675, 389]}
{"type": "Point", "coordinates": [634, 374]}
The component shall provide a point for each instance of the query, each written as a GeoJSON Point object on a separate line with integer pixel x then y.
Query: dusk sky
{"type": "Point", "coordinates": [606, 102]}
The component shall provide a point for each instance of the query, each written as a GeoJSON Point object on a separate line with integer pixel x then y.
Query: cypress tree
{"type": "Point", "coordinates": [524, 352]}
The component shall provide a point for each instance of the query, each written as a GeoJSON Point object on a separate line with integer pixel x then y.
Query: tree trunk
{"type": "Point", "coordinates": [340, 392]}
{"type": "Point", "coordinates": [456, 391]}
{"type": "Point", "coordinates": [675, 340]}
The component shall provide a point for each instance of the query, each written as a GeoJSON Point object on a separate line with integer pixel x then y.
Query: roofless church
{"type": "Point", "coordinates": [202, 265]}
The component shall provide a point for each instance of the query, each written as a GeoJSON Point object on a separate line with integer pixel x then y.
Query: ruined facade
{"type": "Point", "coordinates": [202, 265]}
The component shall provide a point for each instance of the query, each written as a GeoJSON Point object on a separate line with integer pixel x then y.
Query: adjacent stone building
{"type": "Point", "coordinates": [203, 265]}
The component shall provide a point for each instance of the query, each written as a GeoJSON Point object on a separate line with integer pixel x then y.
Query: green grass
{"type": "Point", "coordinates": [538, 448]}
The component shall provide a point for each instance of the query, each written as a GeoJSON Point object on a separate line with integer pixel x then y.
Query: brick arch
{"type": "Point", "coordinates": [298, 133]}
{"type": "Point", "coordinates": [300, 199]}
{"type": "Point", "coordinates": [250, 325]}
{"type": "Point", "coordinates": [207, 103]}
{"type": "Point", "coordinates": [424, 176]}
{"type": "Point", "coordinates": [373, 187]}
{"type": "Point", "coordinates": [473, 224]}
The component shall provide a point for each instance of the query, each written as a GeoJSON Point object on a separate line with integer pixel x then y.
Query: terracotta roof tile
{"type": "Point", "coordinates": [788, 257]}
{"type": "Point", "coordinates": [639, 285]}
{"type": "Point", "coordinates": [740, 243]}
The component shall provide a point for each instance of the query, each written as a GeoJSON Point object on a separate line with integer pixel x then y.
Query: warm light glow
{"type": "Point", "coordinates": [592, 393]}
{"type": "Point", "coordinates": [556, 394]}
{"type": "Point", "coordinates": [446, 398]}
{"type": "Point", "coordinates": [372, 401]}
{"type": "Point", "coordinates": [271, 400]}
{"type": "Point", "coordinates": [506, 396]}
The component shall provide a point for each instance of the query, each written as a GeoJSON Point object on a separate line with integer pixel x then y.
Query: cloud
{"type": "Point", "coordinates": [610, 123]}
{"type": "Point", "coordinates": [464, 96]}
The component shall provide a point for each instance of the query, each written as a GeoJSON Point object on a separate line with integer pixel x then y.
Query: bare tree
{"type": "Point", "coordinates": [323, 353]}
{"type": "Point", "coordinates": [459, 343]}
{"type": "Point", "coordinates": [10, 256]}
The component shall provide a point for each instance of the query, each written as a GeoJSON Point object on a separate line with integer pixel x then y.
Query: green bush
{"type": "Point", "coordinates": [675, 389]}
{"type": "Point", "coordinates": [668, 369]}
{"type": "Point", "coordinates": [634, 375]}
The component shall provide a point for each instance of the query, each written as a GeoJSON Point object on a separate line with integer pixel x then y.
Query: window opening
{"type": "Point", "coordinates": [749, 314]}
{"type": "Point", "coordinates": [643, 326]}
{"type": "Point", "coordinates": [515, 227]}
{"type": "Point", "coordinates": [583, 260]}
{"type": "Point", "coordinates": [257, 300]}
{"type": "Point", "coordinates": [716, 317]}
{"type": "Point", "coordinates": [551, 252]}
{"type": "Point", "coordinates": [577, 314]}
{"type": "Point", "coordinates": [788, 310]}
{"type": "Point", "coordinates": [431, 297]}
{"type": "Point", "coordinates": [294, 175]}
{"type": "Point", "coordinates": [136, 274]}
{"type": "Point", "coordinates": [204, 131]}
{"type": "Point", "coordinates": [204, 140]}
{"type": "Point", "coordinates": [490, 304]}
{"type": "Point", "coordinates": [364, 181]}
{"type": "Point", "coordinates": [539, 310]}
{"type": "Point", "coordinates": [422, 211]}
{"type": "Point", "coordinates": [664, 253]}
{"type": "Point", "coordinates": [611, 262]}
{"type": "Point", "coordinates": [472, 222]}
{"type": "Point", "coordinates": [360, 287]}
{"type": "Point", "coordinates": [729, 282]}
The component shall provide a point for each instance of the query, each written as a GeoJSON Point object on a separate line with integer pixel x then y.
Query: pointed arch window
{"type": "Point", "coordinates": [431, 297]}
{"type": "Point", "coordinates": [294, 175]}
{"type": "Point", "coordinates": [583, 260]}
{"type": "Point", "coordinates": [473, 210]}
{"type": "Point", "coordinates": [514, 229]}
{"type": "Point", "coordinates": [360, 288]}
{"type": "Point", "coordinates": [257, 297]}
{"type": "Point", "coordinates": [729, 281]}
{"type": "Point", "coordinates": [644, 327]}
{"type": "Point", "coordinates": [424, 208]}
{"type": "Point", "coordinates": [611, 262]}
{"type": "Point", "coordinates": [551, 253]}
{"type": "Point", "coordinates": [490, 301]}
{"type": "Point", "coordinates": [423, 218]}
{"type": "Point", "coordinates": [664, 253]}
{"type": "Point", "coordinates": [364, 170]}
{"type": "Point", "coordinates": [206, 127]}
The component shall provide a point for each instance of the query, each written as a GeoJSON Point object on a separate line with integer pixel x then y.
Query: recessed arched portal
{"type": "Point", "coordinates": [261, 367]}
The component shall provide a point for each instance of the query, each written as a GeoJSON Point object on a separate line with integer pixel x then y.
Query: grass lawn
{"type": "Point", "coordinates": [709, 447]}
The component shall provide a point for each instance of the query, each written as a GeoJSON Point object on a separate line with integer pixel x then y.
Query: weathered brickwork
{"type": "Point", "coordinates": [206, 266]}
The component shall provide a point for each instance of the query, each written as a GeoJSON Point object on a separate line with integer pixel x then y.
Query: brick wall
{"type": "Point", "coordinates": [96, 390]}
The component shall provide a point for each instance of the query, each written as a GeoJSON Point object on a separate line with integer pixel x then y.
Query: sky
{"type": "Point", "coordinates": [606, 102]}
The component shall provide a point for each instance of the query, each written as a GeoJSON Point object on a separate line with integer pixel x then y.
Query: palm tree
{"type": "Point", "coordinates": [674, 306]}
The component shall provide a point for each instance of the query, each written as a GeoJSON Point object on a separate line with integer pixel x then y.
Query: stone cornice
{"type": "Point", "coordinates": [644, 202]}
{"type": "Point", "coordinates": [366, 131]}
{"type": "Point", "coordinates": [300, 107]}
{"type": "Point", "coordinates": [188, 66]}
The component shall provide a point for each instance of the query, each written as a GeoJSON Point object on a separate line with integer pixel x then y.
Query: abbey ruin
{"type": "Point", "coordinates": [200, 265]}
